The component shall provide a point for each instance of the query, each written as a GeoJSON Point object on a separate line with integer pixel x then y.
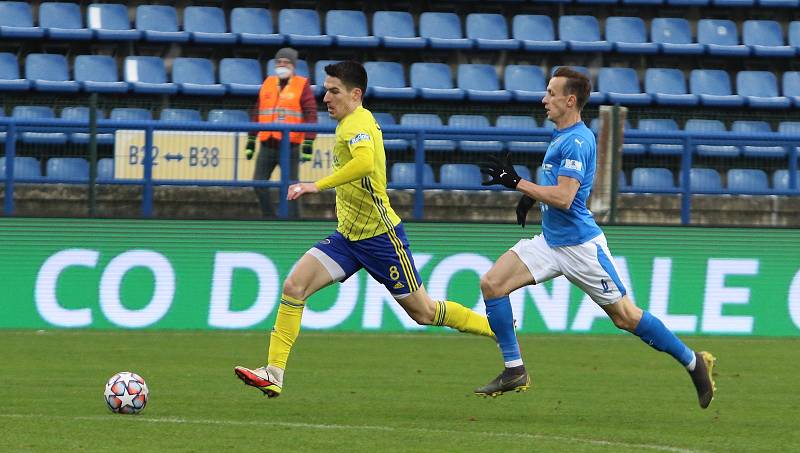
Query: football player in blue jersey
{"type": "Point", "coordinates": [571, 244]}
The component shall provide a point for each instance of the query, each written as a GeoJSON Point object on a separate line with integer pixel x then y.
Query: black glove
{"type": "Point", "coordinates": [251, 147]}
{"type": "Point", "coordinates": [525, 204]}
{"type": "Point", "coordinates": [306, 150]}
{"type": "Point", "coordinates": [500, 173]}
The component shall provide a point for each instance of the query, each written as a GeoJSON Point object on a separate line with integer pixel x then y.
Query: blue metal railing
{"type": "Point", "coordinates": [688, 140]}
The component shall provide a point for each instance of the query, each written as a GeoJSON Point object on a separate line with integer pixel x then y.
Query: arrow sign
{"type": "Point", "coordinates": [177, 157]}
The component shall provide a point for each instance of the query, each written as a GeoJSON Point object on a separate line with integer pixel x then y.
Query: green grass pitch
{"type": "Point", "coordinates": [392, 392]}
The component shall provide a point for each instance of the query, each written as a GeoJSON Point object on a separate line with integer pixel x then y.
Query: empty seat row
{"type": "Point", "coordinates": [739, 180]}
{"type": "Point", "coordinates": [58, 168]}
{"type": "Point", "coordinates": [756, 149]}
{"type": "Point", "coordinates": [476, 82]}
{"type": "Point", "coordinates": [348, 28]}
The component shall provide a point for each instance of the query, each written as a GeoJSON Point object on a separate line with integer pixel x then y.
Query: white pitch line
{"type": "Point", "coordinates": [173, 420]}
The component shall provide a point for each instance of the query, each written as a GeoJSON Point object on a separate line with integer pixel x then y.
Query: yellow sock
{"type": "Point", "coordinates": [457, 316]}
{"type": "Point", "coordinates": [287, 327]}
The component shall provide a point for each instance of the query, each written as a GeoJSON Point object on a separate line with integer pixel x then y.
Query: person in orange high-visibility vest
{"type": "Point", "coordinates": [284, 97]}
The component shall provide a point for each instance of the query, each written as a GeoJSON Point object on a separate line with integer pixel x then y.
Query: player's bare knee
{"type": "Point", "coordinates": [624, 323]}
{"type": "Point", "coordinates": [293, 289]}
{"type": "Point", "coordinates": [490, 287]}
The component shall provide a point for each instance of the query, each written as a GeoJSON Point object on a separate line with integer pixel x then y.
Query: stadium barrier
{"type": "Point", "coordinates": [157, 274]}
{"type": "Point", "coordinates": [146, 153]}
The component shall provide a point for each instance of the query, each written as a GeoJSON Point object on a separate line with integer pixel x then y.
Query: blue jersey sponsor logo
{"type": "Point", "coordinates": [358, 138]}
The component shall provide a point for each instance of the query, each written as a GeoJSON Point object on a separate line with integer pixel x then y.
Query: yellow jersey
{"type": "Point", "coordinates": [362, 205]}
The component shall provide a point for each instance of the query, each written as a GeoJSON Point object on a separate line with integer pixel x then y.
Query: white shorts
{"type": "Point", "coordinates": [589, 266]}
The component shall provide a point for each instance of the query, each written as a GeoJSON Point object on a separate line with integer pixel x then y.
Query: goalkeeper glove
{"type": "Point", "coordinates": [251, 147]}
{"type": "Point", "coordinates": [306, 150]}
{"type": "Point", "coordinates": [525, 204]}
{"type": "Point", "coordinates": [500, 173]}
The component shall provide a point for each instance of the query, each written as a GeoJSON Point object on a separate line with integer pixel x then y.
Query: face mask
{"type": "Point", "coordinates": [283, 72]}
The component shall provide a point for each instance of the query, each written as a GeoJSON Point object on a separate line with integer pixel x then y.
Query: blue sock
{"type": "Point", "coordinates": [653, 332]}
{"type": "Point", "coordinates": [501, 320]}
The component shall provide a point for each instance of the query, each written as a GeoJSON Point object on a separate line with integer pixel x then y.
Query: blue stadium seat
{"type": "Point", "coordinates": [302, 28]}
{"type": "Point", "coordinates": [386, 81]}
{"type": "Point", "coordinates": [582, 34]}
{"type": "Point", "coordinates": [523, 172]}
{"type": "Point", "coordinates": [460, 175]}
{"type": "Point", "coordinates": [757, 127]}
{"type": "Point", "coordinates": [49, 72]}
{"type": "Point", "coordinates": [62, 20]}
{"type": "Point", "coordinates": [472, 122]}
{"type": "Point", "coordinates": [319, 76]}
{"type": "Point", "coordinates": [404, 173]}
{"type": "Point", "coordinates": [228, 116]}
{"type": "Point", "coordinates": [652, 179]}
{"type": "Point", "coordinates": [196, 76]}
{"type": "Point", "coordinates": [130, 114]}
{"type": "Point", "coordinates": [109, 21]}
{"type": "Point", "coordinates": [241, 75]}
{"type": "Point", "coordinates": [747, 180]}
{"type": "Point", "coordinates": [490, 32]}
{"type": "Point", "coordinates": [16, 21]}
{"type": "Point", "coordinates": [9, 74]}
{"type": "Point", "coordinates": [661, 125]}
{"type": "Point", "coordinates": [98, 74]}
{"type": "Point", "coordinates": [780, 179]}
{"type": "Point", "coordinates": [793, 34]}
{"type": "Point", "coordinates": [629, 35]}
{"type": "Point", "coordinates": [390, 144]}
{"type": "Point", "coordinates": [428, 120]}
{"type": "Point", "coordinates": [791, 86]}
{"type": "Point", "coordinates": [704, 179]}
{"type": "Point", "coordinates": [709, 126]}
{"type": "Point", "coordinates": [395, 29]}
{"type": "Point", "coordinates": [521, 122]}
{"type": "Point", "coordinates": [443, 31]}
{"type": "Point", "coordinates": [148, 75]}
{"type": "Point", "coordinates": [525, 82]}
{"type": "Point", "coordinates": [105, 168]}
{"type": "Point", "coordinates": [668, 87]}
{"type": "Point", "coordinates": [720, 37]}
{"type": "Point", "coordinates": [765, 38]}
{"type": "Point", "coordinates": [536, 33]}
{"type": "Point", "coordinates": [206, 24]}
{"type": "Point", "coordinates": [741, 3]}
{"type": "Point", "coordinates": [82, 114]}
{"type": "Point", "coordinates": [300, 68]}
{"type": "Point", "coordinates": [349, 29]}
{"type": "Point", "coordinates": [24, 167]}
{"type": "Point", "coordinates": [760, 89]}
{"type": "Point", "coordinates": [714, 88]}
{"type": "Point", "coordinates": [434, 81]}
{"type": "Point", "coordinates": [481, 84]}
{"type": "Point", "coordinates": [68, 168]}
{"type": "Point", "coordinates": [38, 112]}
{"type": "Point", "coordinates": [779, 3]}
{"type": "Point", "coordinates": [180, 115]}
{"type": "Point", "coordinates": [674, 35]}
{"type": "Point", "coordinates": [621, 86]}
{"type": "Point", "coordinates": [688, 2]}
{"type": "Point", "coordinates": [159, 23]}
{"type": "Point", "coordinates": [254, 26]}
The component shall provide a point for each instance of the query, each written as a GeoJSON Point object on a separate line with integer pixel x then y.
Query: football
{"type": "Point", "coordinates": [126, 393]}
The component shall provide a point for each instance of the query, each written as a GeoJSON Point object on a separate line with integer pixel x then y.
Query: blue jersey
{"type": "Point", "coordinates": [572, 152]}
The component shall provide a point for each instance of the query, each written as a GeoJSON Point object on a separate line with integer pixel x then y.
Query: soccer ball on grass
{"type": "Point", "coordinates": [126, 393]}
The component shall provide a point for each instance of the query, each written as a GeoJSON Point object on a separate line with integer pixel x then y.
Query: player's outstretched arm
{"type": "Point", "coordinates": [502, 172]}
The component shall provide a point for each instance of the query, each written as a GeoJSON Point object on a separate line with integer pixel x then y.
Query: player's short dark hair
{"type": "Point", "coordinates": [350, 72]}
{"type": "Point", "coordinates": [577, 84]}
